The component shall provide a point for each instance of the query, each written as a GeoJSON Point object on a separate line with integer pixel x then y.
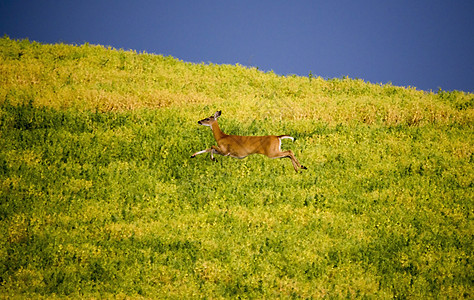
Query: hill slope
{"type": "Point", "coordinates": [97, 78]}
{"type": "Point", "coordinates": [100, 197]}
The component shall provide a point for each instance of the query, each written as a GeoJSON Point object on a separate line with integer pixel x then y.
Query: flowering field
{"type": "Point", "coordinates": [99, 196]}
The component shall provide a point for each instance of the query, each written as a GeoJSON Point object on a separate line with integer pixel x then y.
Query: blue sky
{"type": "Point", "coordinates": [427, 44]}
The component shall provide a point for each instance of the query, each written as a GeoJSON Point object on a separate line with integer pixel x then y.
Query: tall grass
{"type": "Point", "coordinates": [99, 197]}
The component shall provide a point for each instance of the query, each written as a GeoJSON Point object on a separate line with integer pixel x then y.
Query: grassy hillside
{"type": "Point", "coordinates": [99, 196]}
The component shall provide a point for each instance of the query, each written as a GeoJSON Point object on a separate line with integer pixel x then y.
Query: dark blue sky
{"type": "Point", "coordinates": [427, 44]}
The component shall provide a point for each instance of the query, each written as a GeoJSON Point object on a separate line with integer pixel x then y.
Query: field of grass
{"type": "Point", "coordinates": [99, 196]}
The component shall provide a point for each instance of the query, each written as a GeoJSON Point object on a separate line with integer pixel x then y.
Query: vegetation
{"type": "Point", "coordinates": [99, 196]}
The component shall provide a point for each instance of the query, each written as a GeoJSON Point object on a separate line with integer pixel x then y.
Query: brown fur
{"type": "Point", "coordinates": [242, 146]}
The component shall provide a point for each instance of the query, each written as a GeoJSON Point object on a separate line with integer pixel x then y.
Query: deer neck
{"type": "Point", "coordinates": [218, 134]}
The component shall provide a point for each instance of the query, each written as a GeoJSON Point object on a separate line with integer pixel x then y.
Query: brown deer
{"type": "Point", "coordinates": [242, 146]}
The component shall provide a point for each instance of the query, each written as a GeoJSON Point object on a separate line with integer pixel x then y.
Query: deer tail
{"type": "Point", "coordinates": [281, 137]}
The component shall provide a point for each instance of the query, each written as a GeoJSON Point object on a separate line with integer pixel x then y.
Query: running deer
{"type": "Point", "coordinates": [242, 146]}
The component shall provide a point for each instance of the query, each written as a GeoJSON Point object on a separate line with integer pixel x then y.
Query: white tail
{"type": "Point", "coordinates": [242, 146]}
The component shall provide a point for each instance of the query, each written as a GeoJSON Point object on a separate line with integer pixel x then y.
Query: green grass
{"type": "Point", "coordinates": [99, 196]}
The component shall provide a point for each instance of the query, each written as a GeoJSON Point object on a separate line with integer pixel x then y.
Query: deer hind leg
{"type": "Point", "coordinates": [290, 155]}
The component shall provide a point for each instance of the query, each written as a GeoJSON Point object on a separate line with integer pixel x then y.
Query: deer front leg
{"type": "Point", "coordinates": [200, 152]}
{"type": "Point", "coordinates": [212, 150]}
{"type": "Point", "coordinates": [216, 150]}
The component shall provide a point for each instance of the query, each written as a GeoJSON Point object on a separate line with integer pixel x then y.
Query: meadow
{"type": "Point", "coordinates": [99, 197]}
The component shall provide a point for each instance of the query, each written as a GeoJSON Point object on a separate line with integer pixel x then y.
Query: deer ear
{"type": "Point", "coordinates": [217, 114]}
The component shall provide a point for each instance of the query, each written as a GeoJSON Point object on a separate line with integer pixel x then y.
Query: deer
{"type": "Point", "coordinates": [242, 146]}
